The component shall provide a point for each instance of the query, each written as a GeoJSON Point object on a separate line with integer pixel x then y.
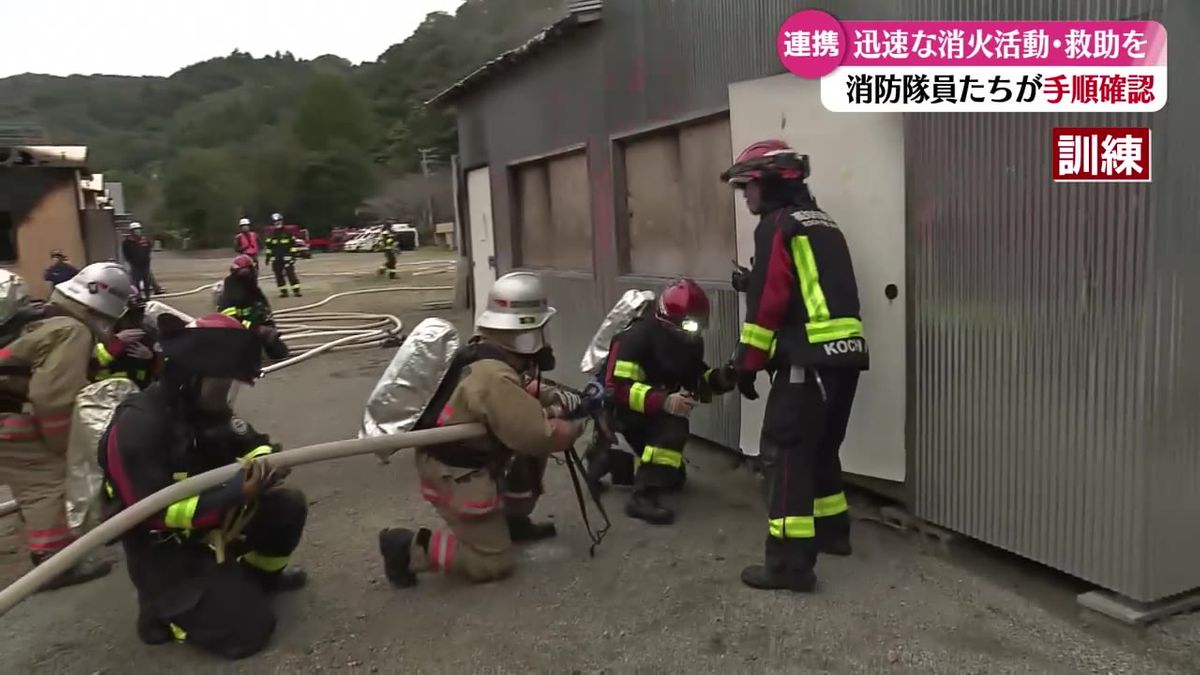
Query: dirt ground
{"type": "Point", "coordinates": [652, 600]}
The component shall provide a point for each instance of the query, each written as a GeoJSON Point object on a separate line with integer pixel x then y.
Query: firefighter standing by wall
{"type": "Point", "coordinates": [281, 256]}
{"type": "Point", "coordinates": [137, 250]}
{"type": "Point", "coordinates": [43, 366]}
{"type": "Point", "coordinates": [129, 354]}
{"type": "Point", "coordinates": [803, 323]}
{"type": "Point", "coordinates": [485, 489]}
{"type": "Point", "coordinates": [200, 579]}
{"type": "Point", "coordinates": [656, 373]}
{"type": "Point", "coordinates": [391, 247]}
{"type": "Point", "coordinates": [246, 241]}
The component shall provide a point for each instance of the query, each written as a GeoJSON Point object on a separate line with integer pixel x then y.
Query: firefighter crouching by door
{"type": "Point", "coordinates": [205, 566]}
{"type": "Point", "coordinates": [803, 323]}
{"type": "Point", "coordinates": [657, 374]}
{"type": "Point", "coordinates": [243, 299]}
{"type": "Point", "coordinates": [44, 360]}
{"type": "Point", "coordinates": [130, 354]}
{"type": "Point", "coordinates": [281, 256]}
{"type": "Point", "coordinates": [485, 489]}
{"type": "Point", "coordinates": [391, 245]}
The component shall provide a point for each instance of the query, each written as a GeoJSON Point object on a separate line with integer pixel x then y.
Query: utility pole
{"type": "Point", "coordinates": [428, 159]}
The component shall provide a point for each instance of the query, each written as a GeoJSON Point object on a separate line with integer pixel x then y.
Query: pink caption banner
{"type": "Point", "coordinates": [1004, 43]}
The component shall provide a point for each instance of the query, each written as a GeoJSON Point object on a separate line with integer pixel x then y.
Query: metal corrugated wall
{"type": "Point", "coordinates": [1028, 332]}
{"type": "Point", "coordinates": [1173, 311]}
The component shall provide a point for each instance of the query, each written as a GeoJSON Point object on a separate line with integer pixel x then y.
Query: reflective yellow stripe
{"type": "Point", "coordinates": [258, 452]}
{"type": "Point", "coordinates": [662, 456]}
{"type": "Point", "coordinates": [247, 323]}
{"type": "Point", "coordinates": [179, 514]}
{"type": "Point", "coordinates": [231, 311]}
{"type": "Point", "coordinates": [833, 329]}
{"type": "Point", "coordinates": [266, 563]}
{"type": "Point", "coordinates": [758, 337]}
{"type": "Point", "coordinates": [178, 633]}
{"type": "Point", "coordinates": [793, 527]}
{"type": "Point", "coordinates": [823, 507]}
{"type": "Point", "coordinates": [108, 490]}
{"type": "Point", "coordinates": [178, 476]}
{"type": "Point", "coordinates": [637, 397]}
{"type": "Point", "coordinates": [102, 374]}
{"type": "Point", "coordinates": [102, 354]}
{"type": "Point", "coordinates": [810, 280]}
{"type": "Point", "coordinates": [629, 370]}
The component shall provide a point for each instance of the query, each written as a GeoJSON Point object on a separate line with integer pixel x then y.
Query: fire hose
{"type": "Point", "coordinates": [136, 513]}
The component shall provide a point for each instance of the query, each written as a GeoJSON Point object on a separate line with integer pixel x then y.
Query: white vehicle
{"type": "Point", "coordinates": [364, 241]}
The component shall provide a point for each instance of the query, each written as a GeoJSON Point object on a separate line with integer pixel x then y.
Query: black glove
{"type": "Point", "coordinates": [746, 385]}
{"type": "Point", "coordinates": [724, 379]}
{"type": "Point", "coordinates": [740, 279]}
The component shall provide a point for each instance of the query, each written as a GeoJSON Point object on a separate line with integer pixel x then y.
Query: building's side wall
{"type": "Point", "coordinates": [1172, 335]}
{"type": "Point", "coordinates": [1028, 342]}
{"type": "Point", "coordinates": [43, 203]}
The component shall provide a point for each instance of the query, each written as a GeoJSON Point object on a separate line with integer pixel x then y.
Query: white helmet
{"type": "Point", "coordinates": [517, 312]}
{"type": "Point", "coordinates": [104, 288]}
{"type": "Point", "coordinates": [14, 295]}
{"type": "Point", "coordinates": [243, 221]}
{"type": "Point", "coordinates": [276, 217]}
{"type": "Point", "coordinates": [397, 227]}
{"type": "Point", "coordinates": [135, 226]}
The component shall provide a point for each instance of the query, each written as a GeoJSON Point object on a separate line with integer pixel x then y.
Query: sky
{"type": "Point", "coordinates": [158, 37]}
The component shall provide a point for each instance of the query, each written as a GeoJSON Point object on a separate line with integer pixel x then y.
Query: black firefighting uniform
{"type": "Point", "coordinates": [389, 255]}
{"type": "Point", "coordinates": [137, 249]}
{"type": "Point", "coordinates": [244, 300]}
{"type": "Point", "coordinates": [647, 362]}
{"type": "Point", "coordinates": [221, 607]}
{"type": "Point", "coordinates": [803, 324]}
{"type": "Point", "coordinates": [281, 256]}
{"type": "Point", "coordinates": [110, 360]}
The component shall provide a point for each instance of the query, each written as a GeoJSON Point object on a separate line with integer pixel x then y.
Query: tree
{"type": "Point", "coordinates": [332, 112]}
{"type": "Point", "coordinates": [203, 195]}
{"type": "Point", "coordinates": [331, 185]}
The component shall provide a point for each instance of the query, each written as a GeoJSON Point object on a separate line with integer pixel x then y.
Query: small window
{"type": "Point", "coordinates": [8, 238]}
{"type": "Point", "coordinates": [553, 215]}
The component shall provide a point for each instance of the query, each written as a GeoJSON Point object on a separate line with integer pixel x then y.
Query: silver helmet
{"type": "Point", "coordinates": [105, 288]}
{"type": "Point", "coordinates": [14, 295]}
{"type": "Point", "coordinates": [517, 313]}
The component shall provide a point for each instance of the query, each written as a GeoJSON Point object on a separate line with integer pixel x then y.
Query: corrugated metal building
{"type": "Point", "coordinates": [1031, 384]}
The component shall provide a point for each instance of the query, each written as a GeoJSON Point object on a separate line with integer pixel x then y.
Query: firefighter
{"type": "Point", "coordinates": [43, 366]}
{"type": "Point", "coordinates": [485, 489]}
{"type": "Point", "coordinates": [137, 249]}
{"type": "Point", "coordinates": [243, 299]}
{"type": "Point", "coordinates": [204, 566]}
{"type": "Point", "coordinates": [246, 241]}
{"type": "Point", "coordinates": [391, 246]}
{"type": "Point", "coordinates": [281, 256]}
{"type": "Point", "coordinates": [129, 354]}
{"type": "Point", "coordinates": [803, 324]}
{"type": "Point", "coordinates": [657, 375]}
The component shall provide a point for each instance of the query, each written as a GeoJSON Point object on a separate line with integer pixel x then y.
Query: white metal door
{"type": "Point", "coordinates": [858, 178]}
{"type": "Point", "coordinates": [483, 245]}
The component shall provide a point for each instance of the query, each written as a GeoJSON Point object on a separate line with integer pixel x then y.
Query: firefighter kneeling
{"type": "Point", "coordinates": [202, 567]}
{"type": "Point", "coordinates": [485, 489]}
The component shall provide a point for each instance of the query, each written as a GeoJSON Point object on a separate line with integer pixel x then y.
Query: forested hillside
{"type": "Point", "coordinates": [239, 135]}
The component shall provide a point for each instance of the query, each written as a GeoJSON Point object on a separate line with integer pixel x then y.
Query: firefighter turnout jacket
{"type": "Point", "coordinates": [149, 445]}
{"type": "Point", "coordinates": [802, 304]}
{"type": "Point", "coordinates": [281, 245]}
{"type": "Point", "coordinates": [111, 359]}
{"type": "Point", "coordinates": [243, 300]}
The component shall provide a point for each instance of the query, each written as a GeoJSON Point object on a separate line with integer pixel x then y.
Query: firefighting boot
{"type": "Point", "coordinates": [290, 578]}
{"type": "Point", "coordinates": [522, 529]}
{"type": "Point", "coordinates": [379, 272]}
{"type": "Point", "coordinates": [644, 505]}
{"type": "Point", "coordinates": [678, 480]}
{"type": "Point", "coordinates": [839, 547]}
{"type": "Point", "coordinates": [776, 578]}
{"type": "Point", "coordinates": [296, 292]}
{"type": "Point", "coordinates": [391, 274]}
{"type": "Point", "coordinates": [153, 631]}
{"type": "Point", "coordinates": [81, 572]}
{"type": "Point", "coordinates": [283, 292]}
{"type": "Point", "coordinates": [395, 544]}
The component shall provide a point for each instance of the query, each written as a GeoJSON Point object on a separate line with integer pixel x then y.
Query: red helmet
{"type": "Point", "coordinates": [214, 345]}
{"type": "Point", "coordinates": [684, 305]}
{"type": "Point", "coordinates": [241, 262]}
{"type": "Point", "coordinates": [767, 158]}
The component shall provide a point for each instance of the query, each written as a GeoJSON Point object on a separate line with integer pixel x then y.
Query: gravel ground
{"type": "Point", "coordinates": [652, 600]}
